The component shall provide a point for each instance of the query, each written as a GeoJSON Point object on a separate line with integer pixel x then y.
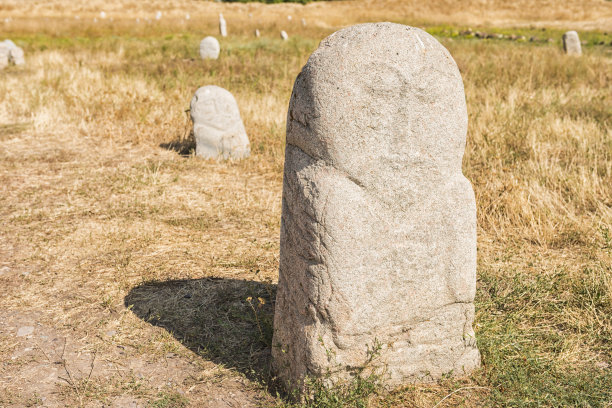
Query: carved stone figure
{"type": "Point", "coordinates": [378, 229]}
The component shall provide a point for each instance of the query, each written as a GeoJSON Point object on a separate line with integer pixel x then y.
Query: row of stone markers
{"type": "Point", "coordinates": [571, 41]}
{"type": "Point", "coordinates": [223, 28]}
{"type": "Point", "coordinates": [10, 53]}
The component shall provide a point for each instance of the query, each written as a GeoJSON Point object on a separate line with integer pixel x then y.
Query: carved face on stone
{"type": "Point", "coordinates": [397, 109]}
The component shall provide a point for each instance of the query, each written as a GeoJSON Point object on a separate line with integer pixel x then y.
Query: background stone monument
{"type": "Point", "coordinates": [209, 48]}
{"type": "Point", "coordinates": [222, 26]}
{"type": "Point", "coordinates": [13, 53]}
{"type": "Point", "coordinates": [217, 126]}
{"type": "Point", "coordinates": [378, 230]}
{"type": "Point", "coordinates": [571, 43]}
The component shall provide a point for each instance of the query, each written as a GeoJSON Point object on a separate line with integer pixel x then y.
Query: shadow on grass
{"type": "Point", "coordinates": [227, 321]}
{"type": "Point", "coordinates": [185, 146]}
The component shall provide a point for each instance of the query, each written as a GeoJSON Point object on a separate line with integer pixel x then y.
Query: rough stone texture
{"type": "Point", "coordinates": [217, 126]}
{"type": "Point", "coordinates": [222, 26]}
{"type": "Point", "coordinates": [209, 48]}
{"type": "Point", "coordinates": [571, 43]}
{"type": "Point", "coordinates": [284, 35]}
{"type": "Point", "coordinates": [378, 230]}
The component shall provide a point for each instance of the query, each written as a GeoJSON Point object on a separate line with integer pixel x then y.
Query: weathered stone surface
{"type": "Point", "coordinates": [284, 35]}
{"type": "Point", "coordinates": [209, 48]}
{"type": "Point", "coordinates": [217, 126]}
{"type": "Point", "coordinates": [222, 26]}
{"type": "Point", "coordinates": [378, 230]}
{"type": "Point", "coordinates": [571, 43]}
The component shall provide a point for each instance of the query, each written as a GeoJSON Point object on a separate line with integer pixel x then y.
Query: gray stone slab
{"type": "Point", "coordinates": [378, 229]}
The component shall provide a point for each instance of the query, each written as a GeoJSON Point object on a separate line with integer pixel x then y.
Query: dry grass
{"type": "Point", "coordinates": [580, 14]}
{"type": "Point", "coordinates": [134, 264]}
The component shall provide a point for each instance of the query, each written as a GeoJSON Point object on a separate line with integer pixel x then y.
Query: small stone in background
{"type": "Point", "coordinates": [571, 43]}
{"type": "Point", "coordinates": [284, 35]}
{"type": "Point", "coordinates": [16, 56]}
{"type": "Point", "coordinates": [257, 33]}
{"type": "Point", "coordinates": [217, 127]}
{"type": "Point", "coordinates": [25, 331]}
{"type": "Point", "coordinates": [15, 53]}
{"type": "Point", "coordinates": [209, 48]}
{"type": "Point", "coordinates": [222, 26]}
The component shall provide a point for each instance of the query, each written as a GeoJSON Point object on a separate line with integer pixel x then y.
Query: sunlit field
{"type": "Point", "coordinates": [135, 274]}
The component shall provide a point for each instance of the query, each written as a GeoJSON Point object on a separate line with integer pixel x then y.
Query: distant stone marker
{"type": "Point", "coordinates": [284, 35]}
{"type": "Point", "coordinates": [571, 43]}
{"type": "Point", "coordinates": [25, 331]}
{"type": "Point", "coordinates": [13, 53]}
{"type": "Point", "coordinates": [16, 56]}
{"type": "Point", "coordinates": [222, 26]}
{"type": "Point", "coordinates": [217, 126]}
{"type": "Point", "coordinates": [9, 44]}
{"type": "Point", "coordinates": [209, 48]}
{"type": "Point", "coordinates": [378, 229]}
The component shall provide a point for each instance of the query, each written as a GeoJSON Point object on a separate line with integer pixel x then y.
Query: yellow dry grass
{"type": "Point", "coordinates": [577, 14]}
{"type": "Point", "coordinates": [133, 263]}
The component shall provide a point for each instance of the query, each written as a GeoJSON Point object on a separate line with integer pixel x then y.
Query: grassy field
{"type": "Point", "coordinates": [134, 274]}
